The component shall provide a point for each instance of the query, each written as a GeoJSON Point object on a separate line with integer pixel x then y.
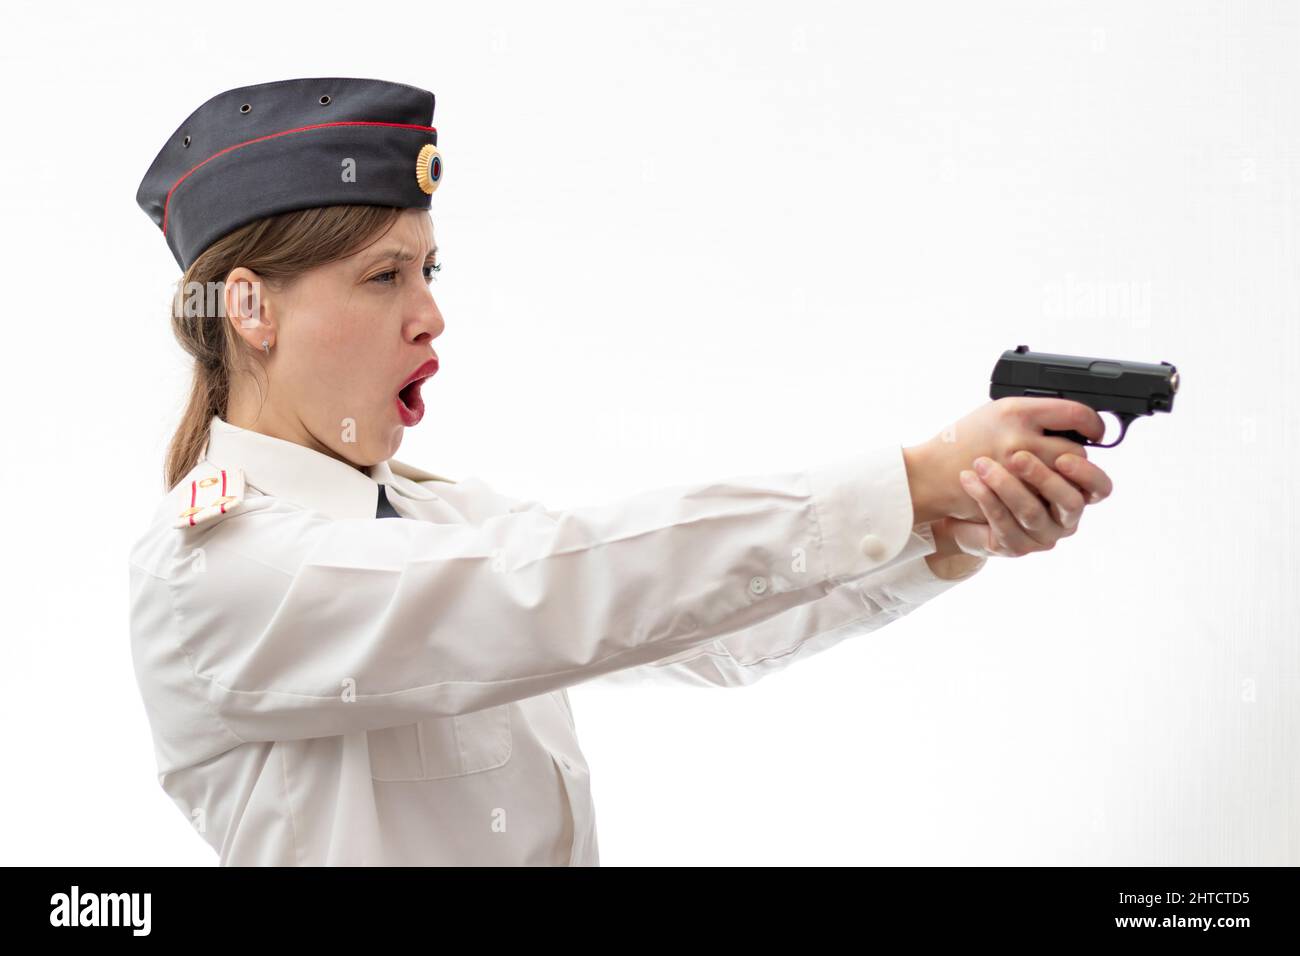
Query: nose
{"type": "Point", "coordinates": [424, 320]}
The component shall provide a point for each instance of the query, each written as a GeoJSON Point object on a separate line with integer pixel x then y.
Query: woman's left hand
{"type": "Point", "coordinates": [1021, 518]}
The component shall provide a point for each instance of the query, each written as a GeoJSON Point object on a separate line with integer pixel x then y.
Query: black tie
{"type": "Point", "coordinates": [384, 509]}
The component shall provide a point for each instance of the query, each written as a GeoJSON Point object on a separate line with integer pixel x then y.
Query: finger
{"type": "Point", "coordinates": [1051, 447]}
{"type": "Point", "coordinates": [1029, 510]}
{"type": "Point", "coordinates": [972, 537]}
{"type": "Point", "coordinates": [1064, 501]}
{"type": "Point", "coordinates": [1094, 483]}
{"type": "Point", "coordinates": [1061, 414]}
{"type": "Point", "coordinates": [1006, 537]}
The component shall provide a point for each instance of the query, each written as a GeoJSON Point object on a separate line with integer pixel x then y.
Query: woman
{"type": "Point", "coordinates": [328, 688]}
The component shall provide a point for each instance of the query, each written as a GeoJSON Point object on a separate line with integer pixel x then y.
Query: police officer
{"type": "Point", "coordinates": [326, 687]}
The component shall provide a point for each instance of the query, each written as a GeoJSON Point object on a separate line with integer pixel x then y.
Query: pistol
{"type": "Point", "coordinates": [1125, 389]}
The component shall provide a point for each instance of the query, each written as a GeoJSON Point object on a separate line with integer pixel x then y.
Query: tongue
{"type": "Point", "coordinates": [410, 394]}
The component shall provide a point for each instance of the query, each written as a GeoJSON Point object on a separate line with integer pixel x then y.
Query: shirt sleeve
{"type": "Point", "coordinates": [850, 610]}
{"type": "Point", "coordinates": [293, 625]}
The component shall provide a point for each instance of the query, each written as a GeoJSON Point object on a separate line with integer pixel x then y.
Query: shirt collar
{"type": "Point", "coordinates": [302, 475]}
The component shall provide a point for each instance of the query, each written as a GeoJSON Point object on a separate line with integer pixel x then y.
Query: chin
{"type": "Point", "coordinates": [371, 443]}
{"type": "Point", "coordinates": [394, 441]}
{"type": "Point", "coordinates": [397, 443]}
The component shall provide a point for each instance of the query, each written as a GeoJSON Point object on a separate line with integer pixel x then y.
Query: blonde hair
{"type": "Point", "coordinates": [278, 248]}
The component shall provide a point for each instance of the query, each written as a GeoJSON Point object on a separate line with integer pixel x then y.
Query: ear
{"type": "Point", "coordinates": [247, 309]}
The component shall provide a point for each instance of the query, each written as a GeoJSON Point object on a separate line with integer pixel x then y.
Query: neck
{"type": "Point", "coordinates": [264, 419]}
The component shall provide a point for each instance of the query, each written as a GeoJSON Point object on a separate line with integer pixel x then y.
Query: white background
{"type": "Point", "coordinates": [682, 241]}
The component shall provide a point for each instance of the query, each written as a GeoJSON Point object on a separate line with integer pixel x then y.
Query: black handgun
{"type": "Point", "coordinates": [1125, 389]}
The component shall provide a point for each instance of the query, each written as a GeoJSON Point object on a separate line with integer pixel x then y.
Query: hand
{"type": "Point", "coordinates": [1022, 518]}
{"type": "Point", "coordinates": [994, 430]}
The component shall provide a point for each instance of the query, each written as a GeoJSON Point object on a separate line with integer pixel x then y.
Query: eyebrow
{"type": "Point", "coordinates": [400, 254]}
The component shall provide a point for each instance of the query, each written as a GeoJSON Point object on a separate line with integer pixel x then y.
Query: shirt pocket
{"type": "Point", "coordinates": [442, 747]}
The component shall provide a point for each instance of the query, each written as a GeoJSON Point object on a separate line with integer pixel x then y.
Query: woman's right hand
{"type": "Point", "coordinates": [996, 430]}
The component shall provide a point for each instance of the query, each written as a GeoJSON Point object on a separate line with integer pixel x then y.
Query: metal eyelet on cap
{"type": "Point", "coordinates": [325, 100]}
{"type": "Point", "coordinates": [245, 108]}
{"type": "Point", "coordinates": [186, 142]}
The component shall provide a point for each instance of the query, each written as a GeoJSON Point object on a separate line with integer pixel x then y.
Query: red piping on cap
{"type": "Point", "coordinates": [283, 132]}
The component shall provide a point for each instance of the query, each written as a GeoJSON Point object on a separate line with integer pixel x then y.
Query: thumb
{"type": "Point", "coordinates": [972, 537]}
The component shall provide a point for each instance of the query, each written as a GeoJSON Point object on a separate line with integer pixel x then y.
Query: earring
{"type": "Point", "coordinates": [266, 346]}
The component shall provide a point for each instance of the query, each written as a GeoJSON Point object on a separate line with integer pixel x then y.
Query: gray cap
{"type": "Point", "coordinates": [275, 147]}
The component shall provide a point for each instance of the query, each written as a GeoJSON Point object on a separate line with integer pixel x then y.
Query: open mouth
{"type": "Point", "coordinates": [410, 395]}
{"type": "Point", "coordinates": [410, 404]}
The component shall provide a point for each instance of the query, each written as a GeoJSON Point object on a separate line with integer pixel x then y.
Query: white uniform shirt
{"type": "Point", "coordinates": [325, 687]}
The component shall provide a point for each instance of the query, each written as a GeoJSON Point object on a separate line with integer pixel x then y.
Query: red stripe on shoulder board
{"type": "Point", "coordinates": [194, 490]}
{"type": "Point", "coordinates": [223, 490]}
{"type": "Point", "coordinates": [283, 132]}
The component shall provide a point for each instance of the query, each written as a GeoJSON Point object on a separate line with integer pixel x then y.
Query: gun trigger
{"type": "Point", "coordinates": [1125, 419]}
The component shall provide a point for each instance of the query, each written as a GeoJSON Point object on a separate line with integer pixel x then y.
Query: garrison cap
{"type": "Point", "coordinates": [275, 147]}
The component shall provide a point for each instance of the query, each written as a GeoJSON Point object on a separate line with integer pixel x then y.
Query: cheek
{"type": "Point", "coordinates": [345, 359]}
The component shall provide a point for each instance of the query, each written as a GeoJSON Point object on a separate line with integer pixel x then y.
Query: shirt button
{"type": "Point", "coordinates": [757, 585]}
{"type": "Point", "coordinates": [872, 547]}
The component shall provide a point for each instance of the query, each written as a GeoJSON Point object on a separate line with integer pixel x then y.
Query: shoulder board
{"type": "Point", "coordinates": [211, 491]}
{"type": "Point", "coordinates": [415, 474]}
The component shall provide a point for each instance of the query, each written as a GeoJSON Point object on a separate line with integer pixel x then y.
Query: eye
{"type": "Point", "coordinates": [385, 277]}
{"type": "Point", "coordinates": [431, 271]}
